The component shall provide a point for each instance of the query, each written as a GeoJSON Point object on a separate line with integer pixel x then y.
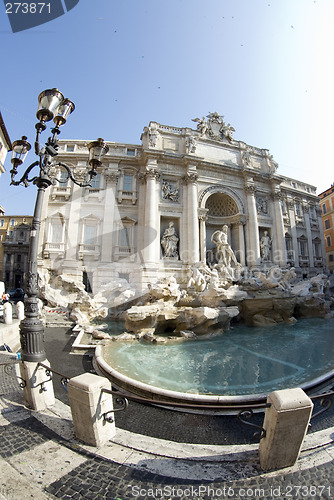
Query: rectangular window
{"type": "Point", "coordinates": [324, 210]}
{"type": "Point", "coordinates": [89, 235]}
{"type": "Point", "coordinates": [303, 248]}
{"type": "Point", "coordinates": [317, 252]}
{"type": "Point", "coordinates": [18, 259]}
{"type": "Point", "coordinates": [63, 178]}
{"type": "Point", "coordinates": [124, 237]}
{"type": "Point", "coordinates": [12, 222]}
{"type": "Point", "coordinates": [331, 257]}
{"type": "Point", "coordinates": [298, 210]}
{"type": "Point", "coordinates": [288, 243]}
{"type": "Point", "coordinates": [327, 224]}
{"type": "Point", "coordinates": [2, 223]}
{"type": "Point", "coordinates": [70, 148]}
{"type": "Point", "coordinates": [56, 232]}
{"type": "Point", "coordinates": [127, 182]}
{"type": "Point", "coordinates": [329, 242]}
{"type": "Point", "coordinates": [95, 182]}
{"type": "Point", "coordinates": [131, 152]}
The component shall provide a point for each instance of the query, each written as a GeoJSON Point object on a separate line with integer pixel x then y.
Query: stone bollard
{"type": "Point", "coordinates": [38, 391]}
{"type": "Point", "coordinates": [88, 406]}
{"type": "Point", "coordinates": [20, 310]}
{"type": "Point", "coordinates": [286, 423]}
{"type": "Point", "coordinates": [8, 313]}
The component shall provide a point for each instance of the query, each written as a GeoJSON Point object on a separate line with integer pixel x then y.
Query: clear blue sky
{"type": "Point", "coordinates": [266, 65]}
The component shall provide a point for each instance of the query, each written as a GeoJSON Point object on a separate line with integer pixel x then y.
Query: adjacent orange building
{"type": "Point", "coordinates": [327, 208]}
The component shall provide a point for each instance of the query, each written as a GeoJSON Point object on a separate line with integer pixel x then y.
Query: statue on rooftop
{"type": "Point", "coordinates": [215, 127]}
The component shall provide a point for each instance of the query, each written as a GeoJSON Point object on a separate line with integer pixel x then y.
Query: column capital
{"type": "Point", "coordinates": [277, 195]}
{"type": "Point", "coordinates": [240, 222]}
{"type": "Point", "coordinates": [306, 207]}
{"type": "Point", "coordinates": [190, 178]}
{"type": "Point", "coordinates": [203, 214]}
{"type": "Point", "coordinates": [112, 176]}
{"type": "Point", "coordinates": [149, 173]}
{"type": "Point", "coordinates": [250, 188]}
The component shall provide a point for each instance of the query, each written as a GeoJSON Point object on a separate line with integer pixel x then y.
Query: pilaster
{"type": "Point", "coordinates": [192, 216]}
{"type": "Point", "coordinates": [291, 207]}
{"type": "Point", "coordinates": [202, 234]}
{"type": "Point", "coordinates": [306, 211]}
{"type": "Point", "coordinates": [241, 254]}
{"type": "Point", "coordinates": [73, 238]}
{"type": "Point", "coordinates": [279, 236]}
{"type": "Point", "coordinates": [151, 239]}
{"type": "Point", "coordinates": [253, 252]}
{"type": "Point", "coordinates": [108, 234]}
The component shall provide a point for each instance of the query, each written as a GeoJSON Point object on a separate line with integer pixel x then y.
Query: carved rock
{"type": "Point", "coordinates": [167, 289]}
{"type": "Point", "coordinates": [267, 311]}
{"type": "Point", "coordinates": [188, 334]}
{"type": "Point", "coordinates": [163, 317]}
{"type": "Point", "coordinates": [312, 307]}
{"type": "Point", "coordinates": [199, 319]}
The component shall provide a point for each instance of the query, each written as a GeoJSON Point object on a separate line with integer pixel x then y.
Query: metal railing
{"type": "Point", "coordinates": [325, 400]}
{"type": "Point", "coordinates": [48, 372]}
{"type": "Point", "coordinates": [9, 370]}
{"type": "Point", "coordinates": [244, 412]}
{"type": "Point", "coordinates": [119, 399]}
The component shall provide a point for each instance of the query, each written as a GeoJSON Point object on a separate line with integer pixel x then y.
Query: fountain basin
{"type": "Point", "coordinates": [241, 366]}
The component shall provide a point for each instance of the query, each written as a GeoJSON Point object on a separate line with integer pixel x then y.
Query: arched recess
{"type": "Point", "coordinates": [223, 190]}
{"type": "Point", "coordinates": [221, 205]}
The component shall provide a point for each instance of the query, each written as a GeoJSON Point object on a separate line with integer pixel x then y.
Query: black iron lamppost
{"type": "Point", "coordinates": [51, 105]}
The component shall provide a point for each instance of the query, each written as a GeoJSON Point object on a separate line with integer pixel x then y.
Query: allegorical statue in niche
{"type": "Point", "coordinates": [225, 254]}
{"type": "Point", "coordinates": [169, 241]}
{"type": "Point", "coordinates": [265, 247]}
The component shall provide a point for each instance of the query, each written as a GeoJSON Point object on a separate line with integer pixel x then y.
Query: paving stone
{"type": "Point", "coordinates": [98, 478]}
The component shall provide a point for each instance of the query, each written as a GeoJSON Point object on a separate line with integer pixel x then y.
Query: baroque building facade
{"type": "Point", "coordinates": [155, 209]}
{"type": "Point", "coordinates": [14, 248]}
{"type": "Point", "coordinates": [326, 200]}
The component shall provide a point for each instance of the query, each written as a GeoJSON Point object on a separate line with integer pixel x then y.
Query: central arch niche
{"type": "Point", "coordinates": [221, 209]}
{"type": "Point", "coordinates": [221, 205]}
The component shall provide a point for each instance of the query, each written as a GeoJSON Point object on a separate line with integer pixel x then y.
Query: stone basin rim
{"type": "Point", "coordinates": [141, 389]}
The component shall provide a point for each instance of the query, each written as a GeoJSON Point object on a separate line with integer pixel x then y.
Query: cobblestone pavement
{"type": "Point", "coordinates": [37, 462]}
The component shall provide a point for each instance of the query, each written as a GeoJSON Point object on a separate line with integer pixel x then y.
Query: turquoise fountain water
{"type": "Point", "coordinates": [241, 361]}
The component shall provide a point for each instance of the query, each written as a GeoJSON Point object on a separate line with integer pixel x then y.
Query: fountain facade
{"type": "Point", "coordinates": [181, 236]}
{"type": "Point", "coordinates": [181, 200]}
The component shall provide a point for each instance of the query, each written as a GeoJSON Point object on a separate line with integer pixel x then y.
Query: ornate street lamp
{"type": "Point", "coordinates": [51, 105]}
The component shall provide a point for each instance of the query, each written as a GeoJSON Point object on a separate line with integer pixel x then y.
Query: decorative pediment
{"type": "Point", "coordinates": [91, 218]}
{"type": "Point", "coordinates": [128, 220]}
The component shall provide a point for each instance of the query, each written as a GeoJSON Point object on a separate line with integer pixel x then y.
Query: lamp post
{"type": "Point", "coordinates": [51, 105]}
